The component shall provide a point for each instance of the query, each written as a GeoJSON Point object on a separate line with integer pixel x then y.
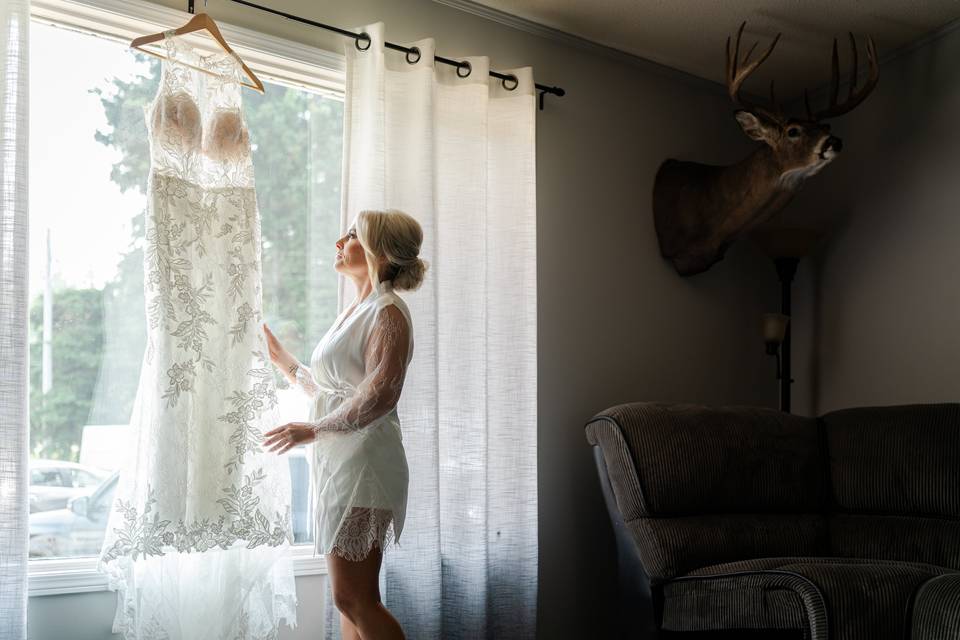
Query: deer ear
{"type": "Point", "coordinates": [752, 125]}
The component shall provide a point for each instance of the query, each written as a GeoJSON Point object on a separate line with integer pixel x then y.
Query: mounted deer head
{"type": "Point", "coordinates": [700, 209]}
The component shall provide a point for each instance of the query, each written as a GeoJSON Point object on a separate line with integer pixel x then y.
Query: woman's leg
{"type": "Point", "coordinates": [356, 593]}
{"type": "Point", "coordinates": [347, 630]}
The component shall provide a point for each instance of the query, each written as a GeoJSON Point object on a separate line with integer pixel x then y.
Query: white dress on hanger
{"type": "Point", "coordinates": [359, 472]}
{"type": "Point", "coordinates": [197, 543]}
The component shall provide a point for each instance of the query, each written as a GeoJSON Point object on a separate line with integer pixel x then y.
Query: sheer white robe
{"type": "Point", "coordinates": [359, 472]}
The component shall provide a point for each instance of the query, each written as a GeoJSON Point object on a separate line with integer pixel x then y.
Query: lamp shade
{"type": "Point", "coordinates": [774, 327]}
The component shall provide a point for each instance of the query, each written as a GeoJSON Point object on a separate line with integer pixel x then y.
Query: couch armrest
{"type": "Point", "coordinates": [936, 609]}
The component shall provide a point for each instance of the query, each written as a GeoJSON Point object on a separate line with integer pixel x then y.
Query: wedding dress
{"type": "Point", "coordinates": [359, 473]}
{"type": "Point", "coordinates": [197, 543]}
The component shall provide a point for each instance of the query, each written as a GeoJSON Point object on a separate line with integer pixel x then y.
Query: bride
{"type": "Point", "coordinates": [356, 373]}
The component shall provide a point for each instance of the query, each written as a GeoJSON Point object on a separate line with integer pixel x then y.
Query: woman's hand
{"type": "Point", "coordinates": [284, 438]}
{"type": "Point", "coordinates": [279, 356]}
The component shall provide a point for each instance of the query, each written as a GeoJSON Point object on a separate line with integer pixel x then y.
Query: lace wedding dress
{"type": "Point", "coordinates": [197, 543]}
{"type": "Point", "coordinates": [358, 467]}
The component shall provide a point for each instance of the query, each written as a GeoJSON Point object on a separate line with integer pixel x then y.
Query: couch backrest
{"type": "Point", "coordinates": [895, 477]}
{"type": "Point", "coordinates": [702, 485]}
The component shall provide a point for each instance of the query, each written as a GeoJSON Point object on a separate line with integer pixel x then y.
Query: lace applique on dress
{"type": "Point", "coordinates": [227, 138]}
{"type": "Point", "coordinates": [178, 117]}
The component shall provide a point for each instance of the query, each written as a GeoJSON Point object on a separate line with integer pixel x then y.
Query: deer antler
{"type": "Point", "coordinates": [855, 96]}
{"type": "Point", "coordinates": [738, 70]}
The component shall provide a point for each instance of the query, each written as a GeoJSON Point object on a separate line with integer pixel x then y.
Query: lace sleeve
{"type": "Point", "coordinates": [385, 360]}
{"type": "Point", "coordinates": [304, 380]}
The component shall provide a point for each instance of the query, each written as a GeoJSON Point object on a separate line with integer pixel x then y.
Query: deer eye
{"type": "Point", "coordinates": [793, 132]}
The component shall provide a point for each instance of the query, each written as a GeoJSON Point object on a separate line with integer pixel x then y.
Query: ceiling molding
{"type": "Point", "coordinates": [562, 37]}
{"type": "Point", "coordinates": [550, 33]}
{"type": "Point", "coordinates": [888, 57]}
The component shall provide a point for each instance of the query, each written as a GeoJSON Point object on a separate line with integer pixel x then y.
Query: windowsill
{"type": "Point", "coordinates": [80, 575]}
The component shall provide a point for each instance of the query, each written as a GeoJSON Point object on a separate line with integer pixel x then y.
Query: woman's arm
{"type": "Point", "coordinates": [302, 378]}
{"type": "Point", "coordinates": [296, 373]}
{"type": "Point", "coordinates": [385, 359]}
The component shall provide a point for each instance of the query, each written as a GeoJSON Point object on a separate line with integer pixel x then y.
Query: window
{"type": "Point", "coordinates": [89, 165]}
{"type": "Point", "coordinates": [46, 478]}
{"type": "Point", "coordinates": [85, 479]}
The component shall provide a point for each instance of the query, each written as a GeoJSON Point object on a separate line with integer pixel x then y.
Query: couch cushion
{"type": "Point", "coordinates": [695, 459]}
{"type": "Point", "coordinates": [896, 482]}
{"type": "Point", "coordinates": [905, 538]}
{"type": "Point", "coordinates": [699, 485]}
{"type": "Point", "coordinates": [898, 459]}
{"type": "Point", "coordinates": [936, 609]}
{"type": "Point", "coordinates": [856, 599]}
{"type": "Point", "coordinates": [673, 546]}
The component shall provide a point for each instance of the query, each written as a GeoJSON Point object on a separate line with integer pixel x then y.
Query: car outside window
{"type": "Point", "coordinates": [46, 478]}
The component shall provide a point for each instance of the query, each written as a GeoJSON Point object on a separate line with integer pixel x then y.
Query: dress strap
{"type": "Point", "coordinates": [226, 64]}
{"type": "Point", "coordinates": [169, 43]}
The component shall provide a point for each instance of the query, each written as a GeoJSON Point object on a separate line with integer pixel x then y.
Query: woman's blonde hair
{"type": "Point", "coordinates": [397, 237]}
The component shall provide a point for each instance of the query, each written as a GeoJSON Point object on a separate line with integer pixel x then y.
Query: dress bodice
{"type": "Point", "coordinates": [196, 122]}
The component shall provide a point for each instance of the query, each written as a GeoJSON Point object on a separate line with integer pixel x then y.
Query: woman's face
{"type": "Point", "coordinates": [350, 258]}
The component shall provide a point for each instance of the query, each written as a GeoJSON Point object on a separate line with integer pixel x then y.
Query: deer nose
{"type": "Point", "coordinates": [833, 142]}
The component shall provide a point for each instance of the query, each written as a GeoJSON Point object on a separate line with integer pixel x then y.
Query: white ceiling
{"type": "Point", "coordinates": [690, 35]}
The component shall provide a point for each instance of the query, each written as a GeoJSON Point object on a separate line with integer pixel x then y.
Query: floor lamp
{"type": "Point", "coordinates": [785, 246]}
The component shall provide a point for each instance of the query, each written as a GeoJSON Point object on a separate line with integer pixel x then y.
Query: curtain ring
{"type": "Point", "coordinates": [363, 36]}
{"type": "Point", "coordinates": [464, 65]}
{"type": "Point", "coordinates": [516, 82]}
{"type": "Point", "coordinates": [415, 50]}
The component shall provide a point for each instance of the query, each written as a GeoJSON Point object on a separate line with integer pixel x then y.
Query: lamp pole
{"type": "Point", "coordinates": [786, 269]}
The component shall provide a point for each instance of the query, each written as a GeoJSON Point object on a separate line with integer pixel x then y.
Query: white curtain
{"type": "Point", "coordinates": [458, 154]}
{"type": "Point", "coordinates": [14, 419]}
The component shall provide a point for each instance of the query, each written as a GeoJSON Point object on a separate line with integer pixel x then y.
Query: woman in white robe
{"type": "Point", "coordinates": [355, 377]}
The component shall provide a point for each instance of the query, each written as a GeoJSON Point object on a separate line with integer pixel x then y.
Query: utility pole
{"type": "Point", "coordinates": [47, 363]}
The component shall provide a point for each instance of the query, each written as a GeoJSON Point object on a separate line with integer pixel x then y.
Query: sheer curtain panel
{"type": "Point", "coordinates": [14, 424]}
{"type": "Point", "coordinates": [458, 154]}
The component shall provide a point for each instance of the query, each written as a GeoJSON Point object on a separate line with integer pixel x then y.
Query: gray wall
{"type": "Point", "coordinates": [880, 301]}
{"type": "Point", "coordinates": [616, 324]}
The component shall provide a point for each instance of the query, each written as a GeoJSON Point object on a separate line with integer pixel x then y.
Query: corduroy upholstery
{"type": "Point", "coordinates": [749, 518]}
{"type": "Point", "coordinates": [936, 609]}
{"type": "Point", "coordinates": [860, 598]}
{"type": "Point", "coordinates": [895, 478]}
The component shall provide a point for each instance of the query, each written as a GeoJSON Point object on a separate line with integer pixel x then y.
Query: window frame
{"type": "Point", "coordinates": [272, 58]}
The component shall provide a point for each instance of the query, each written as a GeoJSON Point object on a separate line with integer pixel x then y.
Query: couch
{"type": "Point", "coordinates": [747, 522]}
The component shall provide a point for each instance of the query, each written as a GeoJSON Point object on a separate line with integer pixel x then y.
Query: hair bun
{"type": "Point", "coordinates": [410, 275]}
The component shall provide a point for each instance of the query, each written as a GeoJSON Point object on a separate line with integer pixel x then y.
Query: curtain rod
{"type": "Point", "coordinates": [409, 51]}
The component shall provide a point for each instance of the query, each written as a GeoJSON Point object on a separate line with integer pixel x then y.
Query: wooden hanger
{"type": "Point", "coordinates": [198, 23]}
